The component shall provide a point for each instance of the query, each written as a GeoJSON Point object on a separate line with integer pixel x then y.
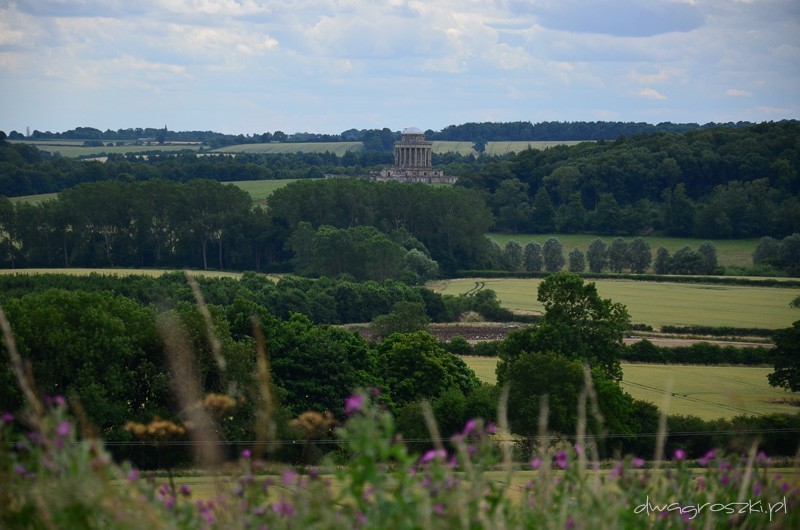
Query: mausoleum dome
{"type": "Point", "coordinates": [412, 130]}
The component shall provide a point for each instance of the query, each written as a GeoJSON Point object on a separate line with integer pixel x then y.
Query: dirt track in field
{"type": "Point", "coordinates": [480, 332]}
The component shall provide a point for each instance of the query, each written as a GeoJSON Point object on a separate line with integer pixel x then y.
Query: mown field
{"type": "Point", "coordinates": [730, 252]}
{"type": "Point", "coordinates": [709, 392]}
{"type": "Point", "coordinates": [120, 272]}
{"type": "Point", "coordinates": [259, 190]}
{"type": "Point", "coordinates": [75, 148]}
{"type": "Point", "coordinates": [338, 148]}
{"type": "Point", "coordinates": [660, 303]}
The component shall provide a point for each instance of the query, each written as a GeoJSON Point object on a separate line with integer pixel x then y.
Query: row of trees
{"type": "Point", "coordinates": [620, 256]}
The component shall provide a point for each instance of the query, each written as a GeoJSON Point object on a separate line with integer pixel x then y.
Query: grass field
{"type": "Point", "coordinates": [738, 252]}
{"type": "Point", "coordinates": [75, 148]}
{"type": "Point", "coordinates": [706, 391]}
{"type": "Point", "coordinates": [259, 190]}
{"type": "Point", "coordinates": [120, 272]}
{"type": "Point", "coordinates": [34, 199]}
{"type": "Point", "coordinates": [338, 148]}
{"type": "Point", "coordinates": [658, 304]}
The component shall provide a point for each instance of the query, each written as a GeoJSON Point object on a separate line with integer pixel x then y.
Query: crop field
{"type": "Point", "coordinates": [259, 190]}
{"type": "Point", "coordinates": [34, 199]}
{"type": "Point", "coordinates": [75, 148]}
{"type": "Point", "coordinates": [709, 392]}
{"type": "Point", "coordinates": [120, 272]}
{"type": "Point", "coordinates": [737, 252]}
{"type": "Point", "coordinates": [338, 148]}
{"type": "Point", "coordinates": [660, 303]}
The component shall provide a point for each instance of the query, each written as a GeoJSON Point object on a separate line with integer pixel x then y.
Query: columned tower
{"type": "Point", "coordinates": [413, 162]}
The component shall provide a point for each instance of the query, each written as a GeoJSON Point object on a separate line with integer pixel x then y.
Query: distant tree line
{"type": "Point", "coordinates": [328, 227]}
{"type": "Point", "coordinates": [560, 131]}
{"type": "Point", "coordinates": [711, 183]}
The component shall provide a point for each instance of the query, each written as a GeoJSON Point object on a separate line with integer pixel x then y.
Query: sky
{"type": "Point", "coordinates": [326, 66]}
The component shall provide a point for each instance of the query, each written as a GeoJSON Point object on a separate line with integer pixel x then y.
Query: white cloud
{"type": "Point", "coordinates": [650, 93]}
{"type": "Point", "coordinates": [360, 63]}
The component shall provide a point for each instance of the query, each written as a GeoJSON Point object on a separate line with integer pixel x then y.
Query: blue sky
{"type": "Point", "coordinates": [251, 66]}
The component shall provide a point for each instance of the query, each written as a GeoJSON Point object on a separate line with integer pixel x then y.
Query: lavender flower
{"type": "Point", "coordinates": [353, 404]}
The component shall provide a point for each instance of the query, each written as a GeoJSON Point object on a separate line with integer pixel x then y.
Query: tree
{"type": "Point", "coordinates": [687, 261]}
{"type": "Point", "coordinates": [415, 367]}
{"type": "Point", "coordinates": [544, 213]}
{"type": "Point", "coordinates": [553, 255]}
{"type": "Point", "coordinates": [787, 358]}
{"type": "Point", "coordinates": [513, 256]}
{"type": "Point", "coordinates": [577, 325]}
{"type": "Point", "coordinates": [639, 255]}
{"type": "Point", "coordinates": [405, 317]}
{"type": "Point", "coordinates": [709, 253]}
{"type": "Point", "coordinates": [662, 264]}
{"type": "Point", "coordinates": [577, 262]}
{"type": "Point", "coordinates": [597, 255]}
{"type": "Point", "coordinates": [534, 259]}
{"type": "Point", "coordinates": [618, 255]}
{"type": "Point", "coordinates": [571, 216]}
{"type": "Point", "coordinates": [678, 212]}
{"type": "Point", "coordinates": [766, 252]}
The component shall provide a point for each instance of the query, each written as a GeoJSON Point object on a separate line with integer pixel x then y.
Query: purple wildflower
{"type": "Point", "coordinates": [637, 462]}
{"type": "Point", "coordinates": [439, 509]}
{"type": "Point", "coordinates": [536, 463]}
{"type": "Point", "coordinates": [561, 460]}
{"type": "Point", "coordinates": [246, 453]}
{"type": "Point", "coordinates": [185, 490]}
{"type": "Point", "coordinates": [578, 449]}
{"type": "Point", "coordinates": [133, 475]}
{"type": "Point", "coordinates": [7, 417]}
{"type": "Point", "coordinates": [353, 404]}
{"type": "Point", "coordinates": [757, 489]}
{"type": "Point", "coordinates": [469, 427]}
{"type": "Point", "coordinates": [432, 455]}
{"type": "Point", "coordinates": [616, 472]}
{"type": "Point", "coordinates": [724, 480]}
{"type": "Point", "coordinates": [570, 524]}
{"type": "Point", "coordinates": [63, 429]}
{"type": "Point", "coordinates": [283, 507]}
{"type": "Point", "coordinates": [19, 469]}
{"type": "Point", "coordinates": [679, 454]}
{"type": "Point", "coordinates": [169, 501]}
{"type": "Point", "coordinates": [708, 457]}
{"type": "Point", "coordinates": [762, 458]}
{"type": "Point", "coordinates": [289, 477]}
{"type": "Point", "coordinates": [491, 429]}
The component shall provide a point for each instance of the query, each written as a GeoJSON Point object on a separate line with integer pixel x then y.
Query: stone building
{"type": "Point", "coordinates": [412, 161]}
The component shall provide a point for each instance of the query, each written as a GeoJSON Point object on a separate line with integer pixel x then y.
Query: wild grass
{"type": "Point", "coordinates": [709, 392]}
{"type": "Point", "coordinates": [55, 473]}
{"type": "Point", "coordinates": [337, 148]}
{"type": "Point", "coordinates": [660, 303]}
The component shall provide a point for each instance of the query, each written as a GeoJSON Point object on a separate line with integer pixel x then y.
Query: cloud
{"type": "Point", "coordinates": [621, 18]}
{"type": "Point", "coordinates": [650, 93]}
{"type": "Point", "coordinates": [735, 92]}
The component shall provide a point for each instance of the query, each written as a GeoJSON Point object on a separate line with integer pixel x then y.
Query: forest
{"type": "Point", "coordinates": [715, 182]}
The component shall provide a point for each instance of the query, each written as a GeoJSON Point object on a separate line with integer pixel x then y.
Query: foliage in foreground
{"type": "Point", "coordinates": [54, 478]}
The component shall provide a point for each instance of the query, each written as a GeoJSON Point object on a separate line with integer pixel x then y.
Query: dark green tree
{"type": "Point", "coordinates": [513, 256]}
{"type": "Point", "coordinates": [663, 260]}
{"type": "Point", "coordinates": [787, 358]}
{"type": "Point", "coordinates": [709, 253]}
{"type": "Point", "coordinates": [577, 261]}
{"type": "Point", "coordinates": [534, 258]}
{"type": "Point", "coordinates": [639, 255]}
{"type": "Point", "coordinates": [543, 214]}
{"type": "Point", "coordinates": [597, 255]}
{"type": "Point", "coordinates": [553, 254]}
{"type": "Point", "coordinates": [405, 317]}
{"type": "Point", "coordinates": [618, 255]}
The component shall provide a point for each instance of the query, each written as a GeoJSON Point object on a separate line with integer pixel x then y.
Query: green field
{"type": "Point", "coordinates": [120, 272]}
{"type": "Point", "coordinates": [75, 148]}
{"type": "Point", "coordinates": [737, 252]}
{"type": "Point", "coordinates": [34, 199]}
{"type": "Point", "coordinates": [706, 391]}
{"type": "Point", "coordinates": [338, 148]}
{"type": "Point", "coordinates": [259, 190]}
{"type": "Point", "coordinates": [660, 303]}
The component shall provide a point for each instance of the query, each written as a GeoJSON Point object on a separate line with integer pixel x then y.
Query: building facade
{"type": "Point", "coordinates": [412, 161]}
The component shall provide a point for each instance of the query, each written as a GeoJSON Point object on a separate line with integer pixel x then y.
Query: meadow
{"type": "Point", "coordinates": [260, 190]}
{"type": "Point", "coordinates": [120, 272]}
{"type": "Point", "coordinates": [659, 303]}
{"type": "Point", "coordinates": [730, 252]}
{"type": "Point", "coordinates": [75, 148]}
{"type": "Point", "coordinates": [709, 392]}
